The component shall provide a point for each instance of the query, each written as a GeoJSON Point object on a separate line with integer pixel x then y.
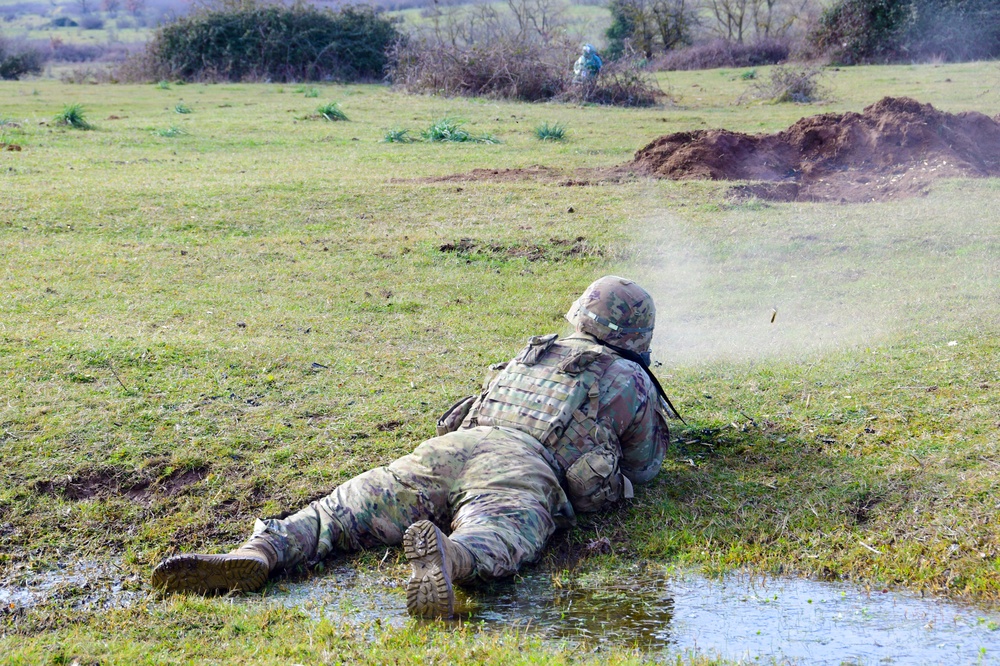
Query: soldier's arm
{"type": "Point", "coordinates": [629, 407]}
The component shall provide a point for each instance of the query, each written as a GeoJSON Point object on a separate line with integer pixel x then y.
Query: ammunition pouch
{"type": "Point", "coordinates": [594, 481]}
{"type": "Point", "coordinates": [453, 417]}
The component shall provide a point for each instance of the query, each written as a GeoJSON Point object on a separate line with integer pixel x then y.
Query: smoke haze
{"type": "Point", "coordinates": [830, 276]}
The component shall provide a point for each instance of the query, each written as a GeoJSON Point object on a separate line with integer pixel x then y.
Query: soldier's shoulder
{"type": "Point", "coordinates": [625, 374]}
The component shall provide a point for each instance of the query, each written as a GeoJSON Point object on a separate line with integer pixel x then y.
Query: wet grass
{"type": "Point", "coordinates": [197, 332]}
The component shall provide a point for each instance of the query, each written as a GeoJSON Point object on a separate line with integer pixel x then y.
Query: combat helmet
{"type": "Point", "coordinates": [616, 311]}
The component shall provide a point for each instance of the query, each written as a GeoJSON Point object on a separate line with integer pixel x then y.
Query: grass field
{"type": "Point", "coordinates": [217, 315]}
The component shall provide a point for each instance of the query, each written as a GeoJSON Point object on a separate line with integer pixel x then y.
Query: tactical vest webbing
{"type": "Point", "coordinates": [543, 391]}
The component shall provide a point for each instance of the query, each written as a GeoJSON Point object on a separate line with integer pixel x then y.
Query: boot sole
{"type": "Point", "coordinates": [428, 592]}
{"type": "Point", "coordinates": [210, 573]}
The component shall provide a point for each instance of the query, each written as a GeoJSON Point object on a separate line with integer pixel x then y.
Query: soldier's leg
{"type": "Point", "coordinates": [509, 506]}
{"type": "Point", "coordinates": [509, 502]}
{"type": "Point", "coordinates": [371, 509]}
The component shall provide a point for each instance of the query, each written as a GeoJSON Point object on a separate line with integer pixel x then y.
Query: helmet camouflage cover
{"type": "Point", "coordinates": [617, 311]}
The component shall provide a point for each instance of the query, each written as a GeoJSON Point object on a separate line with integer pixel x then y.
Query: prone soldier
{"type": "Point", "coordinates": [567, 426]}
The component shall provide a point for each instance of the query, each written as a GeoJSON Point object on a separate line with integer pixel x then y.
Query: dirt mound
{"type": "Point", "coordinates": [895, 148]}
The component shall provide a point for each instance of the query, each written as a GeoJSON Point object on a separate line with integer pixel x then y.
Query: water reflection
{"type": "Point", "coordinates": [663, 612]}
{"type": "Point", "coordinates": [739, 617]}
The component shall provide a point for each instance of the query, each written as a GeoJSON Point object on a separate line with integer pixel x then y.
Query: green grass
{"type": "Point", "coordinates": [553, 132]}
{"type": "Point", "coordinates": [182, 108]}
{"type": "Point", "coordinates": [171, 132]}
{"type": "Point", "coordinates": [331, 111]}
{"type": "Point", "coordinates": [165, 303]}
{"type": "Point", "coordinates": [452, 130]}
{"type": "Point", "coordinates": [398, 135]}
{"type": "Point", "coordinates": [73, 115]}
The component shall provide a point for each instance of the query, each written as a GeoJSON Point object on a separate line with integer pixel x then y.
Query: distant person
{"type": "Point", "coordinates": [587, 66]}
{"type": "Point", "coordinates": [566, 426]}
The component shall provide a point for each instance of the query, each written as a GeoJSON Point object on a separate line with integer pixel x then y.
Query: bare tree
{"type": "Point", "coordinates": [732, 17]}
{"type": "Point", "coordinates": [111, 6]}
{"type": "Point", "coordinates": [742, 20]}
{"type": "Point", "coordinates": [544, 19]}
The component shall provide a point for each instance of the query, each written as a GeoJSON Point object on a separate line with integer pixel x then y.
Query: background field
{"type": "Point", "coordinates": [226, 321]}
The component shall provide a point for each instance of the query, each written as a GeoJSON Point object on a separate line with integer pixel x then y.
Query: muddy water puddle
{"type": "Point", "coordinates": [739, 617]}
{"type": "Point", "coordinates": [663, 613]}
{"type": "Point", "coordinates": [81, 584]}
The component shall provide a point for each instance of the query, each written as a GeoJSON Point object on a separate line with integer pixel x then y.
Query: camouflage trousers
{"type": "Point", "coordinates": [494, 486]}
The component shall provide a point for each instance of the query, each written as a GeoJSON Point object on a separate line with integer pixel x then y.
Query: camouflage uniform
{"type": "Point", "coordinates": [564, 427]}
{"type": "Point", "coordinates": [498, 487]}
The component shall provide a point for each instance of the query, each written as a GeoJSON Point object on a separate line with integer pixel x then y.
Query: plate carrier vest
{"type": "Point", "coordinates": [542, 391]}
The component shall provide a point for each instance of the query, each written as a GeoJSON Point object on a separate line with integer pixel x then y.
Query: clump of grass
{"type": "Point", "coordinates": [790, 83]}
{"type": "Point", "coordinates": [181, 107]}
{"type": "Point", "coordinates": [312, 92]}
{"type": "Point", "coordinates": [451, 130]}
{"type": "Point", "coordinates": [398, 135]}
{"type": "Point", "coordinates": [73, 116]}
{"type": "Point", "coordinates": [749, 75]}
{"type": "Point", "coordinates": [554, 132]}
{"type": "Point", "coordinates": [331, 111]}
{"type": "Point", "coordinates": [163, 85]}
{"type": "Point", "coordinates": [171, 132]}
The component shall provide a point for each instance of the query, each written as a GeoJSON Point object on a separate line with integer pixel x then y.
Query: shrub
{"type": "Point", "coordinates": [91, 22]}
{"type": "Point", "coordinates": [871, 31]}
{"type": "Point", "coordinates": [622, 82]}
{"type": "Point", "coordinates": [64, 52]}
{"type": "Point", "coordinates": [73, 116]}
{"type": "Point", "coordinates": [450, 129]}
{"type": "Point", "coordinates": [547, 132]}
{"type": "Point", "coordinates": [331, 111]}
{"type": "Point", "coordinates": [88, 75]}
{"type": "Point", "coordinates": [273, 42]}
{"type": "Point", "coordinates": [723, 53]}
{"type": "Point", "coordinates": [17, 60]}
{"type": "Point", "coordinates": [398, 135]}
{"type": "Point", "coordinates": [855, 31]}
{"type": "Point", "coordinates": [790, 84]}
{"type": "Point", "coordinates": [506, 68]}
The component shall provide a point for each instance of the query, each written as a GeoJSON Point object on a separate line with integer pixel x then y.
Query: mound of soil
{"type": "Point", "coordinates": [895, 148]}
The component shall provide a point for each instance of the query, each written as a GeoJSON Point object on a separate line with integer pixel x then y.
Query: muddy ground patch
{"type": "Point", "coordinates": [111, 482]}
{"type": "Point", "coordinates": [557, 249]}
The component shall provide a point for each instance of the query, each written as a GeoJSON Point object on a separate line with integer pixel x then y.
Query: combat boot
{"type": "Point", "coordinates": [242, 570]}
{"type": "Point", "coordinates": [437, 561]}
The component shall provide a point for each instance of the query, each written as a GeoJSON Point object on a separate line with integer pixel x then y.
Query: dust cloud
{"type": "Point", "coordinates": [793, 280]}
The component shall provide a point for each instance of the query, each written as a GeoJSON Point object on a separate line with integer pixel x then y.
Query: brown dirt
{"type": "Point", "coordinates": [580, 177]}
{"type": "Point", "coordinates": [109, 483]}
{"type": "Point", "coordinates": [535, 172]}
{"type": "Point", "coordinates": [12, 147]}
{"type": "Point", "coordinates": [558, 249]}
{"type": "Point", "coordinates": [896, 148]}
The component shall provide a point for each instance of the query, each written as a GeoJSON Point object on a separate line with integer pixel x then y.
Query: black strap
{"type": "Point", "coordinates": [630, 355]}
